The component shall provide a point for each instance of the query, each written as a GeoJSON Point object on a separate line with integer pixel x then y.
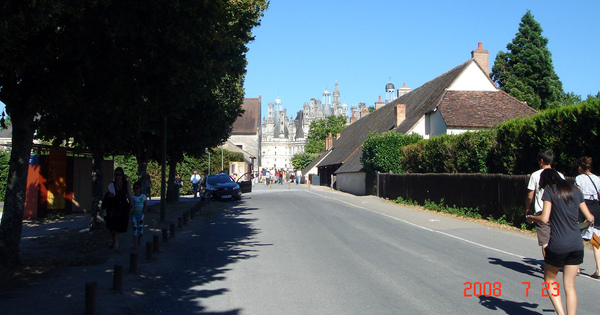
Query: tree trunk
{"type": "Point", "coordinates": [96, 220]}
{"type": "Point", "coordinates": [11, 226]}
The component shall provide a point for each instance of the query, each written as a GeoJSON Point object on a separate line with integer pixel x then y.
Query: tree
{"type": "Point", "coordinates": [320, 129]}
{"type": "Point", "coordinates": [525, 71]}
{"type": "Point", "coordinates": [103, 73]}
{"type": "Point", "coordinates": [301, 160]}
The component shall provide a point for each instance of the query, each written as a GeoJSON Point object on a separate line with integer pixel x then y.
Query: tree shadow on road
{"type": "Point", "coordinates": [225, 237]}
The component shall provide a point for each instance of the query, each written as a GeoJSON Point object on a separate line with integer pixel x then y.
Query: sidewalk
{"type": "Point", "coordinates": [61, 290]}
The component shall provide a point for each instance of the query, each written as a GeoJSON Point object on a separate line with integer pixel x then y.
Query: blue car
{"type": "Point", "coordinates": [220, 187]}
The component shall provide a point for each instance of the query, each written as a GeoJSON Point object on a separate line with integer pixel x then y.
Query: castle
{"type": "Point", "coordinates": [283, 137]}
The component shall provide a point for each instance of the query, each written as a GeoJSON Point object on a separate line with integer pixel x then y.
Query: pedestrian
{"type": "Point", "coordinates": [194, 180]}
{"type": "Point", "coordinates": [545, 160]}
{"type": "Point", "coordinates": [562, 203]}
{"type": "Point", "coordinates": [119, 205]}
{"type": "Point", "coordinates": [589, 184]}
{"type": "Point", "coordinates": [298, 176]}
{"type": "Point", "coordinates": [137, 214]}
{"type": "Point", "coordinates": [178, 182]}
{"type": "Point", "coordinates": [267, 177]}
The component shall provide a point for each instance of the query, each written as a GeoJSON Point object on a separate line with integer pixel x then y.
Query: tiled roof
{"type": "Point", "coordinates": [249, 122]}
{"type": "Point", "coordinates": [418, 102]}
{"type": "Point", "coordinates": [460, 109]}
{"type": "Point", "coordinates": [481, 109]}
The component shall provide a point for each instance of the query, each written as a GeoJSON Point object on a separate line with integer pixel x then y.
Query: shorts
{"type": "Point", "coordinates": [543, 233]}
{"type": "Point", "coordinates": [560, 260]}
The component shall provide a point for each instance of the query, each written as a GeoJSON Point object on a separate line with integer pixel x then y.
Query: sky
{"type": "Point", "coordinates": [303, 47]}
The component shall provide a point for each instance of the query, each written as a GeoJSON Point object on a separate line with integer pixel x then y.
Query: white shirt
{"type": "Point", "coordinates": [534, 184]}
{"type": "Point", "coordinates": [587, 187]}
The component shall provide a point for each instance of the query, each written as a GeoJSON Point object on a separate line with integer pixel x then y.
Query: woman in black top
{"type": "Point", "coordinates": [562, 203]}
{"type": "Point", "coordinates": [119, 206]}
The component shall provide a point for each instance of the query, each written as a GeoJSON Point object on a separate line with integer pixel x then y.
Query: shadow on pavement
{"type": "Point", "coordinates": [528, 267]}
{"type": "Point", "coordinates": [223, 238]}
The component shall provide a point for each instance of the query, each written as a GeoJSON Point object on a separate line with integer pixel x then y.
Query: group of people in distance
{"type": "Point", "coordinates": [561, 211]}
{"type": "Point", "coordinates": [280, 176]}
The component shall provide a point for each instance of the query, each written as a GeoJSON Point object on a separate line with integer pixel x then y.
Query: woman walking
{"type": "Point", "coordinates": [119, 207]}
{"type": "Point", "coordinates": [589, 184]}
{"type": "Point", "coordinates": [562, 203]}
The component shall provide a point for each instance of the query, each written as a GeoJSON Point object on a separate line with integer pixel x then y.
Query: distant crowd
{"type": "Point", "coordinates": [279, 176]}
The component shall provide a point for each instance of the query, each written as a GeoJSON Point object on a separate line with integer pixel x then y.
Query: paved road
{"type": "Point", "coordinates": [299, 251]}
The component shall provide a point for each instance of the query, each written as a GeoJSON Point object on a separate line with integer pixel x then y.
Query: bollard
{"type": "Point", "coordinates": [90, 298]}
{"type": "Point", "coordinates": [165, 234]}
{"type": "Point", "coordinates": [186, 217]}
{"type": "Point", "coordinates": [133, 262]}
{"type": "Point", "coordinates": [148, 251]}
{"type": "Point", "coordinates": [118, 278]}
{"type": "Point", "coordinates": [172, 230]}
{"type": "Point", "coordinates": [180, 223]}
{"type": "Point", "coordinates": [155, 243]}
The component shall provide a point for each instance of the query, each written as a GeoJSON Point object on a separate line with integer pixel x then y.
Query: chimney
{"type": "Point", "coordinates": [328, 142]}
{"type": "Point", "coordinates": [482, 58]}
{"type": "Point", "coordinates": [400, 113]}
{"type": "Point", "coordinates": [352, 119]}
{"type": "Point", "coordinates": [379, 104]}
{"type": "Point", "coordinates": [403, 90]}
{"type": "Point", "coordinates": [364, 112]}
{"type": "Point", "coordinates": [337, 136]}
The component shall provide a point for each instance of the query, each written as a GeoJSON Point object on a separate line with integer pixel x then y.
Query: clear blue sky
{"type": "Point", "coordinates": [304, 47]}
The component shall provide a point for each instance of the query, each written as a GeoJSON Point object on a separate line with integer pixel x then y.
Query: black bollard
{"type": "Point", "coordinates": [148, 251]}
{"type": "Point", "coordinates": [90, 298]}
{"type": "Point", "coordinates": [133, 262]}
{"type": "Point", "coordinates": [172, 230]}
{"type": "Point", "coordinates": [118, 278]}
{"type": "Point", "coordinates": [155, 243]}
{"type": "Point", "coordinates": [180, 223]}
{"type": "Point", "coordinates": [165, 234]}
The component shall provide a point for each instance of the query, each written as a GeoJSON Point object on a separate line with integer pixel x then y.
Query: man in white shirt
{"type": "Point", "coordinates": [534, 195]}
{"type": "Point", "coordinates": [195, 180]}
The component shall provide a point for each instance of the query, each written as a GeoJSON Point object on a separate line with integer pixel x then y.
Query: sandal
{"type": "Point", "coordinates": [595, 276]}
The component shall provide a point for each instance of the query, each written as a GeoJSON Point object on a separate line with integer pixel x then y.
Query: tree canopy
{"type": "Point", "coordinates": [105, 75]}
{"type": "Point", "coordinates": [525, 71]}
{"type": "Point", "coordinates": [320, 129]}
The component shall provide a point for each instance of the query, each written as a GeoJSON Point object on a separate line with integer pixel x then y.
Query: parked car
{"type": "Point", "coordinates": [221, 186]}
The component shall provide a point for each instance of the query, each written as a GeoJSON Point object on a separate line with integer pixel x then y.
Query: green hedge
{"type": "Point", "coordinates": [381, 152]}
{"type": "Point", "coordinates": [569, 131]}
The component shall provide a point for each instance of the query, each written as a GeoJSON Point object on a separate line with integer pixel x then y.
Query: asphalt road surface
{"type": "Point", "coordinates": [291, 250]}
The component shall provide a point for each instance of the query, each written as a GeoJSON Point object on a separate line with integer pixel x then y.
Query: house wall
{"type": "Point", "coordinates": [353, 183]}
{"type": "Point", "coordinates": [437, 124]}
{"type": "Point", "coordinates": [472, 79]}
{"type": "Point", "coordinates": [250, 144]}
{"type": "Point", "coordinates": [457, 131]}
{"type": "Point", "coordinates": [421, 128]}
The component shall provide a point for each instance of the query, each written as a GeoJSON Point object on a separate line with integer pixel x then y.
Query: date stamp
{"type": "Point", "coordinates": [495, 289]}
